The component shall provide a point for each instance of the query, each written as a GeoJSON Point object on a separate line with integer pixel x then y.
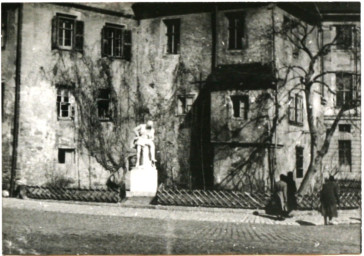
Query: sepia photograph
{"type": "Point", "coordinates": [181, 128]}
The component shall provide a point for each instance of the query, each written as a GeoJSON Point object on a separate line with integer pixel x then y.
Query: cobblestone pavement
{"type": "Point", "coordinates": [182, 213]}
{"type": "Point", "coordinates": [33, 227]}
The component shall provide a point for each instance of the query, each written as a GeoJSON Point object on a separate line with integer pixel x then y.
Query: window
{"type": "Point", "coordinates": [290, 28]}
{"type": "Point", "coordinates": [240, 106]}
{"type": "Point", "coordinates": [184, 104]}
{"type": "Point", "coordinates": [64, 107]}
{"type": "Point", "coordinates": [237, 38]}
{"type": "Point", "coordinates": [66, 156]}
{"type": "Point", "coordinates": [296, 109]}
{"type": "Point", "coordinates": [344, 36]}
{"type": "Point", "coordinates": [67, 33]}
{"type": "Point", "coordinates": [116, 42]}
{"type": "Point", "coordinates": [344, 127]}
{"type": "Point", "coordinates": [299, 162]}
{"type": "Point", "coordinates": [344, 89]}
{"type": "Point", "coordinates": [4, 19]}
{"type": "Point", "coordinates": [173, 35]}
{"type": "Point", "coordinates": [103, 105]}
{"type": "Point", "coordinates": [345, 152]}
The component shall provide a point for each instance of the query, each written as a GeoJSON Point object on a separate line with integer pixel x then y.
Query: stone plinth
{"type": "Point", "coordinates": [143, 181]}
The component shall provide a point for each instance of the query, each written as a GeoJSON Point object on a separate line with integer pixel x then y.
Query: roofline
{"type": "Point", "coordinates": [96, 9]}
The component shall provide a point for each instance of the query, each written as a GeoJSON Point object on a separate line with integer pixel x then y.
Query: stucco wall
{"type": "Point", "coordinates": [8, 69]}
{"type": "Point", "coordinates": [41, 134]}
{"type": "Point", "coordinates": [163, 77]}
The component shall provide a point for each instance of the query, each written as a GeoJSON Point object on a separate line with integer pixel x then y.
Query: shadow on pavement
{"type": "Point", "coordinates": [305, 223]}
{"type": "Point", "coordinates": [272, 217]}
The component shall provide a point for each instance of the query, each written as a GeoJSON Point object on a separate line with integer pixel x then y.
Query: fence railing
{"type": "Point", "coordinates": [183, 197]}
{"type": "Point", "coordinates": [73, 194]}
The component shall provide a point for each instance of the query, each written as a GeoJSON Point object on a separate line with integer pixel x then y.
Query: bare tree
{"type": "Point", "coordinates": [306, 39]}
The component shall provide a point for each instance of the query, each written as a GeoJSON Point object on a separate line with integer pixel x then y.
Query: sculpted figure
{"type": "Point", "coordinates": [144, 136]}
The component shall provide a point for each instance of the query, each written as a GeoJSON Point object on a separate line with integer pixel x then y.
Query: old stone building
{"type": "Point", "coordinates": [209, 75]}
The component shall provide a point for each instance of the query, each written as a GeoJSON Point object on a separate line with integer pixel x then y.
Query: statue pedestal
{"type": "Point", "coordinates": [143, 181]}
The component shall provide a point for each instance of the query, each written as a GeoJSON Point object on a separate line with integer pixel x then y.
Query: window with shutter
{"type": "Point", "coordinates": [79, 35]}
{"type": "Point", "coordinates": [173, 35]}
{"type": "Point", "coordinates": [127, 45]}
{"type": "Point", "coordinates": [67, 33]}
{"type": "Point", "coordinates": [344, 89]}
{"type": "Point", "coordinates": [116, 42]}
{"type": "Point", "coordinates": [237, 35]}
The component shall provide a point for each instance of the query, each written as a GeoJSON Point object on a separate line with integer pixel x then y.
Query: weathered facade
{"type": "Point", "coordinates": [211, 94]}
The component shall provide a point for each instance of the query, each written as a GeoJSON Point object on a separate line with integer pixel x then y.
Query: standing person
{"type": "Point", "coordinates": [281, 195]}
{"type": "Point", "coordinates": [329, 197]}
{"type": "Point", "coordinates": [291, 192]}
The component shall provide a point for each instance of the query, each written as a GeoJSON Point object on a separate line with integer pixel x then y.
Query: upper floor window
{"type": "Point", "coordinates": [296, 109]}
{"type": "Point", "coordinates": [173, 35]}
{"type": "Point", "coordinates": [291, 31]}
{"type": "Point", "coordinates": [344, 88]}
{"type": "Point", "coordinates": [65, 109]}
{"type": "Point", "coordinates": [344, 36]}
{"type": "Point", "coordinates": [237, 37]}
{"type": "Point", "coordinates": [116, 42]}
{"type": "Point", "coordinates": [184, 104]}
{"type": "Point", "coordinates": [240, 106]}
{"type": "Point", "coordinates": [67, 33]}
{"type": "Point", "coordinates": [103, 104]}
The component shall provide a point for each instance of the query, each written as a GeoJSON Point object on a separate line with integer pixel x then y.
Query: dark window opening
{"type": "Point", "coordinates": [173, 35]}
{"type": "Point", "coordinates": [344, 89]}
{"type": "Point", "coordinates": [240, 106]}
{"type": "Point", "coordinates": [237, 37]}
{"type": "Point", "coordinates": [299, 162]}
{"type": "Point", "coordinates": [184, 104]}
{"type": "Point", "coordinates": [103, 104]}
{"type": "Point", "coordinates": [345, 152]}
{"type": "Point", "coordinates": [344, 127]}
{"type": "Point", "coordinates": [65, 156]}
{"type": "Point", "coordinates": [296, 109]}
{"type": "Point", "coordinates": [344, 36]}
{"type": "Point", "coordinates": [67, 33]}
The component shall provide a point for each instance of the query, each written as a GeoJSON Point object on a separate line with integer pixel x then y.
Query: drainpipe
{"type": "Point", "coordinates": [17, 101]}
{"type": "Point", "coordinates": [214, 37]}
{"type": "Point", "coordinates": [275, 98]}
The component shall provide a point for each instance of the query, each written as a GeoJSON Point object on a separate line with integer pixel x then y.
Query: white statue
{"type": "Point", "coordinates": [144, 136]}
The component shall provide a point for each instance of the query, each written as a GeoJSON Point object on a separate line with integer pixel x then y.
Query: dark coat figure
{"type": "Point", "coordinates": [329, 198]}
{"type": "Point", "coordinates": [291, 192]}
